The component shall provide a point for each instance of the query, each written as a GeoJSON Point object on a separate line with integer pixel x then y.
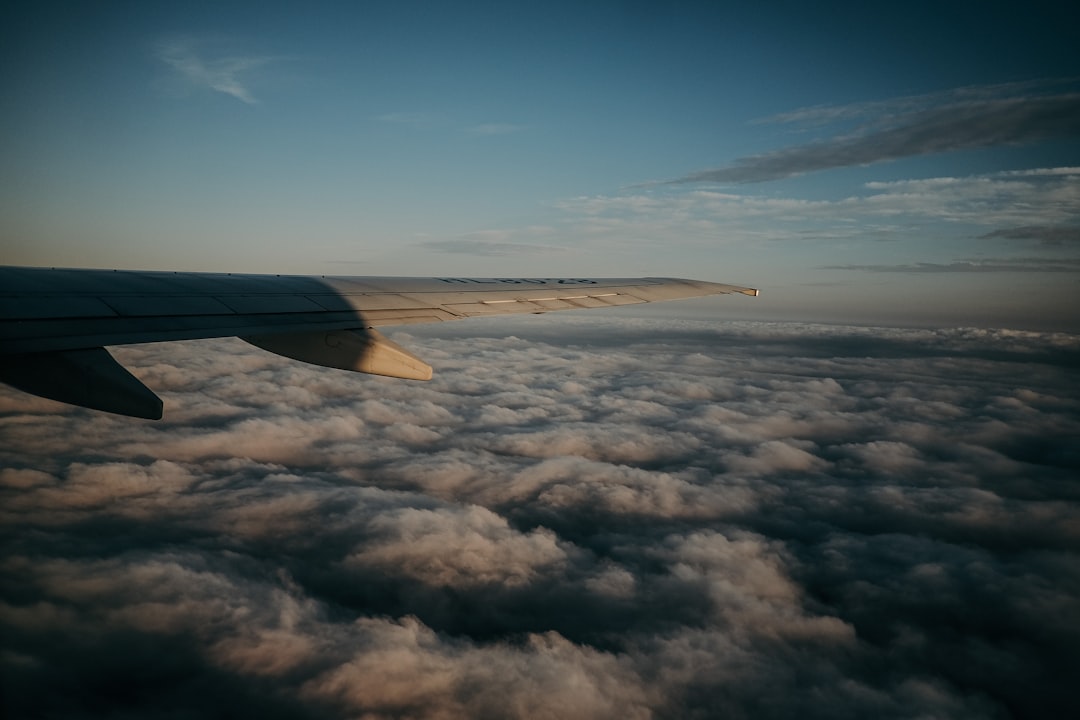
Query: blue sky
{"type": "Point", "coordinates": [915, 164]}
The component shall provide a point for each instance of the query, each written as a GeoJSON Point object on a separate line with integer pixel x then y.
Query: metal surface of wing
{"type": "Point", "coordinates": [48, 311]}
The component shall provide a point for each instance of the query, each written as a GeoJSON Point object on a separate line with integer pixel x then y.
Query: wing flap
{"type": "Point", "coordinates": [38, 307]}
{"type": "Point", "coordinates": [380, 318]}
{"type": "Point", "coordinates": [269, 304]}
{"type": "Point", "coordinates": [165, 305]}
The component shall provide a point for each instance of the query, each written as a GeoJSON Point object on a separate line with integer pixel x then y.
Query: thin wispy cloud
{"type": "Point", "coordinates": [421, 120]}
{"type": "Point", "coordinates": [975, 118]}
{"type": "Point", "coordinates": [413, 119]}
{"type": "Point", "coordinates": [521, 241]}
{"type": "Point", "coordinates": [881, 110]}
{"type": "Point", "coordinates": [199, 64]}
{"type": "Point", "coordinates": [998, 265]}
{"type": "Point", "coordinates": [494, 129]}
{"type": "Point", "coordinates": [490, 248]}
{"type": "Point", "coordinates": [1049, 235]}
{"type": "Point", "coordinates": [1041, 206]}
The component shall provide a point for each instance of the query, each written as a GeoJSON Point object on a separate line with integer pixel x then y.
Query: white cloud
{"type": "Point", "coordinates": [203, 64]}
{"type": "Point", "coordinates": [495, 129]}
{"type": "Point", "coordinates": [456, 548]}
{"type": "Point", "coordinates": [414, 119]}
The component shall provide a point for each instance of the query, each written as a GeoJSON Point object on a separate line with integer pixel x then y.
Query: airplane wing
{"type": "Point", "coordinates": [55, 323]}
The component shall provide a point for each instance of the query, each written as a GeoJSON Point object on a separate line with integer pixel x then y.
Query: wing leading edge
{"type": "Point", "coordinates": [55, 323]}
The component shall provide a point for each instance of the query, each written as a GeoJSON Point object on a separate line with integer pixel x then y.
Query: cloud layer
{"type": "Point", "coordinates": [589, 519]}
{"type": "Point", "coordinates": [1038, 206]}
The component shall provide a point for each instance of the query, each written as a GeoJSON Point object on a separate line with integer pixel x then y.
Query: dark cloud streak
{"type": "Point", "coordinates": [954, 126]}
{"type": "Point", "coordinates": [1011, 265]}
{"type": "Point", "coordinates": [1051, 236]}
